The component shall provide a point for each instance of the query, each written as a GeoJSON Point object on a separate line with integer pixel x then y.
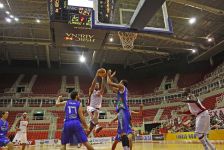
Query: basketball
{"type": "Point", "coordinates": [102, 72]}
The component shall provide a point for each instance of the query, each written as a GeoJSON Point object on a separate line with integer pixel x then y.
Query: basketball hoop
{"type": "Point", "coordinates": [127, 39]}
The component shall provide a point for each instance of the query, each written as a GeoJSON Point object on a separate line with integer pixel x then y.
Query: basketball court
{"type": "Point", "coordinates": [136, 34]}
{"type": "Point", "coordinates": [136, 146]}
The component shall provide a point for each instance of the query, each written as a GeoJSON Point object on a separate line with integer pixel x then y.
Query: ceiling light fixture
{"type": "Point", "coordinates": [111, 39]}
{"type": "Point", "coordinates": [192, 20]}
{"type": "Point", "coordinates": [82, 59]}
{"type": "Point", "coordinates": [38, 20]}
{"type": "Point", "coordinates": [1, 5]}
{"type": "Point", "coordinates": [16, 19]}
{"type": "Point", "coordinates": [8, 20]}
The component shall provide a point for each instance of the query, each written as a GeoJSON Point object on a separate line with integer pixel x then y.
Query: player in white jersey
{"type": "Point", "coordinates": [21, 134]}
{"type": "Point", "coordinates": [202, 119]}
{"type": "Point", "coordinates": [96, 92]}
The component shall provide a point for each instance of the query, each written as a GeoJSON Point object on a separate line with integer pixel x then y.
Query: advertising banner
{"type": "Point", "coordinates": [213, 135]}
{"type": "Point", "coordinates": [70, 36]}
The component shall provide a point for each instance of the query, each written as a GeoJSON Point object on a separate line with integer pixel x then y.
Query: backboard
{"type": "Point", "coordinates": [118, 14]}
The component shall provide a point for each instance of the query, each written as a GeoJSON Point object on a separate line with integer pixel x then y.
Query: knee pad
{"type": "Point", "coordinates": [200, 135]}
{"type": "Point", "coordinates": [125, 141]}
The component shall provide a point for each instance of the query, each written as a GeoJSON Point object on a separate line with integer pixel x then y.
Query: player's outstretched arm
{"type": "Point", "coordinates": [118, 86]}
{"type": "Point", "coordinates": [17, 125]}
{"type": "Point", "coordinates": [115, 119]}
{"type": "Point", "coordinates": [135, 112]}
{"type": "Point", "coordinates": [59, 103]}
{"type": "Point", "coordinates": [102, 87]}
{"type": "Point", "coordinates": [93, 83]}
{"type": "Point", "coordinates": [82, 118]}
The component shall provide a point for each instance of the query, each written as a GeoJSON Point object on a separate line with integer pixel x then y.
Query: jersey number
{"type": "Point", "coordinates": [72, 110]}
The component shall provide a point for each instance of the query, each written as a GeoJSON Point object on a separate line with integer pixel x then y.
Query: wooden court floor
{"type": "Point", "coordinates": [136, 146]}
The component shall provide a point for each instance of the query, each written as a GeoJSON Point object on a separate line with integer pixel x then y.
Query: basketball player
{"type": "Point", "coordinates": [73, 133]}
{"type": "Point", "coordinates": [202, 119]}
{"type": "Point", "coordinates": [21, 128]}
{"type": "Point", "coordinates": [96, 92]}
{"type": "Point", "coordinates": [117, 140]}
{"type": "Point", "coordinates": [4, 127]}
{"type": "Point", "coordinates": [124, 127]}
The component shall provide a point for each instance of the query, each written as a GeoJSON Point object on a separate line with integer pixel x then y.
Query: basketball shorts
{"type": "Point", "coordinates": [73, 133]}
{"type": "Point", "coordinates": [20, 138]}
{"type": "Point", "coordinates": [90, 111]}
{"type": "Point", "coordinates": [124, 126]}
{"type": "Point", "coordinates": [203, 123]}
{"type": "Point", "coordinates": [4, 141]}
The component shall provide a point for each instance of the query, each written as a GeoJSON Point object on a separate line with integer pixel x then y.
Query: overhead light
{"type": "Point", "coordinates": [11, 16]}
{"type": "Point", "coordinates": [16, 19]}
{"type": "Point", "coordinates": [193, 50]}
{"type": "Point", "coordinates": [38, 20]}
{"type": "Point", "coordinates": [8, 20]}
{"type": "Point", "coordinates": [192, 20]}
{"type": "Point", "coordinates": [82, 59]}
{"type": "Point", "coordinates": [1, 5]}
{"type": "Point", "coordinates": [111, 39]}
{"type": "Point", "coordinates": [210, 39]}
{"type": "Point", "coordinates": [7, 12]}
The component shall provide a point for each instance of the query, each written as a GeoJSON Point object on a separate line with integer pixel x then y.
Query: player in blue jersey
{"type": "Point", "coordinates": [117, 139]}
{"type": "Point", "coordinates": [4, 127]}
{"type": "Point", "coordinates": [124, 126]}
{"type": "Point", "coordinates": [73, 133]}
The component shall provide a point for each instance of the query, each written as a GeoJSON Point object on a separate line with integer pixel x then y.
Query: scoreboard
{"type": "Point", "coordinates": [60, 11]}
{"type": "Point", "coordinates": [80, 17]}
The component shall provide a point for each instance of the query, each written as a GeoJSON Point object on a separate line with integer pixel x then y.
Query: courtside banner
{"type": "Point", "coordinates": [143, 138]}
{"type": "Point", "coordinates": [101, 140]}
{"type": "Point", "coordinates": [46, 142]}
{"type": "Point", "coordinates": [213, 135]}
{"type": "Point", "coordinates": [158, 137]}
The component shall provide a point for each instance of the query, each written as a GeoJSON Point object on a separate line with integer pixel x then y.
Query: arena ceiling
{"type": "Point", "coordinates": [29, 40]}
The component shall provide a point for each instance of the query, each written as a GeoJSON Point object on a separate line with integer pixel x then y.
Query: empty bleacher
{"type": "Point", "coordinates": [7, 81]}
{"type": "Point", "coordinates": [47, 84]}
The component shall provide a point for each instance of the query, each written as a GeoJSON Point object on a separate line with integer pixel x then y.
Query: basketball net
{"type": "Point", "coordinates": [127, 39]}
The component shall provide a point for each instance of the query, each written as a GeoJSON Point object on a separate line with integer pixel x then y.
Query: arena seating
{"type": "Point", "coordinates": [60, 120]}
{"type": "Point", "coordinates": [189, 79]}
{"type": "Point", "coordinates": [143, 86]}
{"type": "Point", "coordinates": [42, 126]}
{"type": "Point", "coordinates": [47, 84]}
{"type": "Point", "coordinates": [106, 133]}
{"type": "Point", "coordinates": [12, 116]}
{"type": "Point", "coordinates": [150, 114]}
{"type": "Point", "coordinates": [85, 83]}
{"type": "Point", "coordinates": [167, 112]}
{"type": "Point", "coordinates": [106, 125]}
{"type": "Point", "coordinates": [7, 81]}
{"type": "Point", "coordinates": [210, 102]}
{"type": "Point", "coordinates": [58, 135]}
{"type": "Point", "coordinates": [26, 79]}
{"type": "Point", "coordinates": [32, 135]}
{"type": "Point", "coordinates": [70, 80]}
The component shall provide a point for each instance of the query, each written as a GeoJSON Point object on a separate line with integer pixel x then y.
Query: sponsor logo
{"type": "Point", "coordinates": [186, 136]}
{"type": "Point", "coordinates": [157, 137]}
{"type": "Point", "coordinates": [79, 37]}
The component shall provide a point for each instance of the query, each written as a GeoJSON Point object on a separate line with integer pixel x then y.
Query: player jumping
{"type": "Point", "coordinates": [202, 119]}
{"type": "Point", "coordinates": [73, 132]}
{"type": "Point", "coordinates": [21, 128]}
{"type": "Point", "coordinates": [124, 127]}
{"type": "Point", "coordinates": [117, 140]}
{"type": "Point", "coordinates": [96, 92]}
{"type": "Point", "coordinates": [4, 127]}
